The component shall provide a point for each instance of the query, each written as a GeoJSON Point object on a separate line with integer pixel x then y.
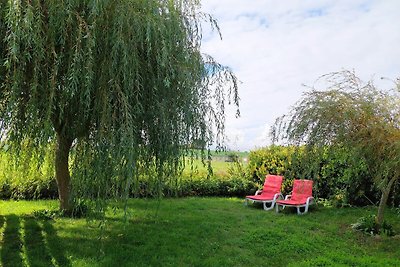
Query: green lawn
{"type": "Point", "coordinates": [193, 232]}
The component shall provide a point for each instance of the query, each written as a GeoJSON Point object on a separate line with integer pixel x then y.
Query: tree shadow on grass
{"type": "Point", "coordinates": [53, 242]}
{"type": "Point", "coordinates": [30, 241]}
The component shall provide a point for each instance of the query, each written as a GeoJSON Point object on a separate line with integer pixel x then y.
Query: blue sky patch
{"type": "Point", "coordinates": [316, 12]}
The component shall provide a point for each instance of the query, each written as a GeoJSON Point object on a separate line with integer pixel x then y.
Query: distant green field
{"type": "Point", "coordinates": [241, 154]}
{"type": "Point", "coordinates": [192, 232]}
{"type": "Point", "coordinates": [220, 168]}
{"type": "Point", "coordinates": [216, 155]}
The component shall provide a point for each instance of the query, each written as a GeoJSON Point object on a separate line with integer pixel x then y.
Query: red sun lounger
{"type": "Point", "coordinates": [301, 196]}
{"type": "Point", "coordinates": [270, 193]}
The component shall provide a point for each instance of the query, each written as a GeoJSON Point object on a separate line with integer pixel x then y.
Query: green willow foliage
{"type": "Point", "coordinates": [352, 115]}
{"type": "Point", "coordinates": [122, 83]}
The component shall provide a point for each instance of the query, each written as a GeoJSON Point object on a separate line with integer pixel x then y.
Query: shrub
{"type": "Point", "coordinates": [344, 180]}
{"type": "Point", "coordinates": [334, 181]}
{"type": "Point", "coordinates": [337, 177]}
{"type": "Point", "coordinates": [269, 160]}
{"type": "Point", "coordinates": [30, 178]}
{"type": "Point", "coordinates": [368, 225]}
{"type": "Point", "coordinates": [203, 186]}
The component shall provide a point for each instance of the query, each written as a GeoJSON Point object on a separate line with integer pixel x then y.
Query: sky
{"type": "Point", "coordinates": [276, 47]}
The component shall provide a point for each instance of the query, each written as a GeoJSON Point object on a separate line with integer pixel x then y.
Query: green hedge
{"type": "Point", "coordinates": [228, 179]}
{"type": "Point", "coordinates": [33, 178]}
{"type": "Point", "coordinates": [28, 177]}
{"type": "Point", "coordinates": [335, 179]}
{"type": "Point", "coordinates": [214, 186]}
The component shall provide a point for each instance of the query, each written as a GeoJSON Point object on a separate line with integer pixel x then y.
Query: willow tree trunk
{"type": "Point", "coordinates": [383, 201]}
{"type": "Point", "coordinates": [62, 171]}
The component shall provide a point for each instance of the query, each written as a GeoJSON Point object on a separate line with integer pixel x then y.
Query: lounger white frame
{"type": "Point", "coordinates": [271, 201]}
{"type": "Point", "coordinates": [309, 201]}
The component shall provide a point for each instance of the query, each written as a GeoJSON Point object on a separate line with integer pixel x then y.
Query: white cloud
{"type": "Point", "coordinates": [276, 46]}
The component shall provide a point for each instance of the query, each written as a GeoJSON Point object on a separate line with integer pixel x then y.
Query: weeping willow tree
{"type": "Point", "coordinates": [350, 115]}
{"type": "Point", "coordinates": [119, 86]}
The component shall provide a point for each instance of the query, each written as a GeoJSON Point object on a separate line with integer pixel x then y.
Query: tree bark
{"type": "Point", "coordinates": [382, 203]}
{"type": "Point", "coordinates": [62, 171]}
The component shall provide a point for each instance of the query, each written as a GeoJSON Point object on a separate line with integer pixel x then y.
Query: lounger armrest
{"type": "Point", "coordinates": [258, 192]}
{"type": "Point", "coordinates": [278, 196]}
{"type": "Point", "coordinates": [288, 197]}
{"type": "Point", "coordinates": [310, 200]}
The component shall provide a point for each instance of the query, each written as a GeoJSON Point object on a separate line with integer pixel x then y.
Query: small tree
{"type": "Point", "coordinates": [353, 115]}
{"type": "Point", "coordinates": [122, 84]}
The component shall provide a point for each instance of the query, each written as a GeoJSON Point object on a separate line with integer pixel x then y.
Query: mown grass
{"type": "Point", "coordinates": [192, 232]}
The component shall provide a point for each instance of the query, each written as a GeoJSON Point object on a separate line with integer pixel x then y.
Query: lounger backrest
{"type": "Point", "coordinates": [272, 184]}
{"type": "Point", "coordinates": [302, 189]}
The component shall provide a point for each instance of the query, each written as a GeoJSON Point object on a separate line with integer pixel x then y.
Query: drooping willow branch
{"type": "Point", "coordinates": [122, 83]}
{"type": "Point", "coordinates": [353, 115]}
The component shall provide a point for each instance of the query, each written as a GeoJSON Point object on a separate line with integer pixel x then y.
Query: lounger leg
{"type": "Point", "coordinates": [306, 209]}
{"type": "Point", "coordinates": [304, 212]}
{"type": "Point", "coordinates": [246, 201]}
{"type": "Point", "coordinates": [270, 207]}
{"type": "Point", "coordinates": [298, 211]}
{"type": "Point", "coordinates": [277, 207]}
{"type": "Point", "coordinates": [310, 201]}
